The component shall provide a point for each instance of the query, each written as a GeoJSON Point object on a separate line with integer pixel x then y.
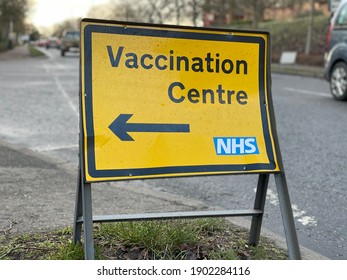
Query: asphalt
{"type": "Point", "coordinates": [38, 194]}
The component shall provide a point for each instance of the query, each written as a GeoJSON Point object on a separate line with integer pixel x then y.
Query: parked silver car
{"type": "Point", "coordinates": [335, 69]}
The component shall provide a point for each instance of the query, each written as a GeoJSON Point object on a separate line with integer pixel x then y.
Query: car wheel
{"type": "Point", "coordinates": [338, 81]}
{"type": "Point", "coordinates": [62, 52]}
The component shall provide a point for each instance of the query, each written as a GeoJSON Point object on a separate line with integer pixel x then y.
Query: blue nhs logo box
{"type": "Point", "coordinates": [235, 145]}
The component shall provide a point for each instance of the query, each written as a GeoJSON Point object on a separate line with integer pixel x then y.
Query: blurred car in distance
{"type": "Point", "coordinates": [335, 57]}
{"type": "Point", "coordinates": [52, 42]}
{"type": "Point", "coordinates": [41, 42]}
{"type": "Point", "coordinates": [70, 41]}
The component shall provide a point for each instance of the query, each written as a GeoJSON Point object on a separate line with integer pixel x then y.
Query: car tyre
{"type": "Point", "coordinates": [62, 53]}
{"type": "Point", "coordinates": [338, 81]}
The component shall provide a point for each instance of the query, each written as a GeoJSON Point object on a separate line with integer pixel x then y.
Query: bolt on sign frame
{"type": "Point", "coordinates": [168, 101]}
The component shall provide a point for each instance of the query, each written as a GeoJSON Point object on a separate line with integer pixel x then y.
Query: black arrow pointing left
{"type": "Point", "coordinates": [120, 127]}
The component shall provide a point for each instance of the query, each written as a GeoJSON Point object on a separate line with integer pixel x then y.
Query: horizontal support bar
{"type": "Point", "coordinates": [172, 215]}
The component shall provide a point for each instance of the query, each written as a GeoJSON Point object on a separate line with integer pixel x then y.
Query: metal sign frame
{"type": "Point", "coordinates": [83, 205]}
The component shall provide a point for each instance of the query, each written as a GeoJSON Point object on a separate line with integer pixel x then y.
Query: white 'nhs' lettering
{"type": "Point", "coordinates": [236, 145]}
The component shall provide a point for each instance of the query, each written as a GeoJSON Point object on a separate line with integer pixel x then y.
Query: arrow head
{"type": "Point", "coordinates": [119, 127]}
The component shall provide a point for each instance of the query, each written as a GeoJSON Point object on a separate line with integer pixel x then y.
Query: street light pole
{"type": "Point", "coordinates": [10, 32]}
{"type": "Point", "coordinates": [309, 29]}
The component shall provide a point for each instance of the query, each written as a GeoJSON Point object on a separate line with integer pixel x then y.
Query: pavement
{"type": "Point", "coordinates": [296, 69]}
{"type": "Point", "coordinates": [38, 194]}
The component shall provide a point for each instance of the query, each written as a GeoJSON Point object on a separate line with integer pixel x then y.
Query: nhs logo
{"type": "Point", "coordinates": [235, 145]}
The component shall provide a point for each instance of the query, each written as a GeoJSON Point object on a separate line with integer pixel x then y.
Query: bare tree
{"type": "Point", "coordinates": [179, 9]}
{"type": "Point", "coordinates": [194, 10]}
{"type": "Point", "coordinates": [158, 10]}
{"type": "Point", "coordinates": [152, 11]}
{"type": "Point", "coordinates": [256, 8]}
{"type": "Point", "coordinates": [68, 24]}
{"type": "Point", "coordinates": [186, 10]}
{"type": "Point", "coordinates": [217, 10]}
{"type": "Point", "coordinates": [126, 11]}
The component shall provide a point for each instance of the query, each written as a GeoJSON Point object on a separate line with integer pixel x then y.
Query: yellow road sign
{"type": "Point", "coordinates": [161, 101]}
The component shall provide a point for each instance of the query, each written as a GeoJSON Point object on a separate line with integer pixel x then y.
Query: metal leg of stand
{"type": "Point", "coordinates": [259, 204]}
{"type": "Point", "coordinates": [77, 227]}
{"type": "Point", "coordinates": [287, 217]}
{"type": "Point", "coordinates": [88, 221]}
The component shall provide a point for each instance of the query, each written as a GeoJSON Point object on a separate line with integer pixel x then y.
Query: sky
{"type": "Point", "coordinates": [46, 13]}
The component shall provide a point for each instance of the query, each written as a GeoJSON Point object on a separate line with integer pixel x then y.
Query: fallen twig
{"type": "Point", "coordinates": [7, 231]}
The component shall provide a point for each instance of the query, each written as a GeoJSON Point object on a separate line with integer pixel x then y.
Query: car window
{"type": "Point", "coordinates": [342, 16]}
{"type": "Point", "coordinates": [73, 35]}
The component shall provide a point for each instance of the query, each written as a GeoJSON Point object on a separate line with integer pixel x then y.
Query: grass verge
{"type": "Point", "coordinates": [34, 51]}
{"type": "Point", "coordinates": [214, 239]}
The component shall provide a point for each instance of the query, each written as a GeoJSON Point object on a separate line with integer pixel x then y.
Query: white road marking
{"type": "Point", "coordinates": [54, 66]}
{"type": "Point", "coordinates": [66, 96]}
{"type": "Point", "coordinates": [308, 92]}
{"type": "Point", "coordinates": [299, 215]}
{"type": "Point", "coordinates": [302, 218]}
{"type": "Point", "coordinates": [27, 84]}
{"type": "Point", "coordinates": [50, 148]}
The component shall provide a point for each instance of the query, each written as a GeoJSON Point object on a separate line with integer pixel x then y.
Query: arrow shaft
{"type": "Point", "coordinates": [120, 127]}
{"type": "Point", "coordinates": [151, 127]}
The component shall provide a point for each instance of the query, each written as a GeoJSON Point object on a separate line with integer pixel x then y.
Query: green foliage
{"type": "Point", "coordinates": [14, 10]}
{"type": "Point", "coordinates": [35, 35]}
{"type": "Point", "coordinates": [68, 251]}
{"type": "Point", "coordinates": [3, 45]}
{"type": "Point", "coordinates": [290, 35]}
{"type": "Point", "coordinates": [32, 246]}
{"type": "Point", "coordinates": [224, 255]}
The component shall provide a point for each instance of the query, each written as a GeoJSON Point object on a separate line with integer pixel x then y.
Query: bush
{"type": "Point", "coordinates": [290, 35]}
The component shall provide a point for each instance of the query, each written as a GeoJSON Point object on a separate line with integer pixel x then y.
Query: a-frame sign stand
{"type": "Point", "coordinates": [84, 216]}
{"type": "Point", "coordinates": [259, 153]}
